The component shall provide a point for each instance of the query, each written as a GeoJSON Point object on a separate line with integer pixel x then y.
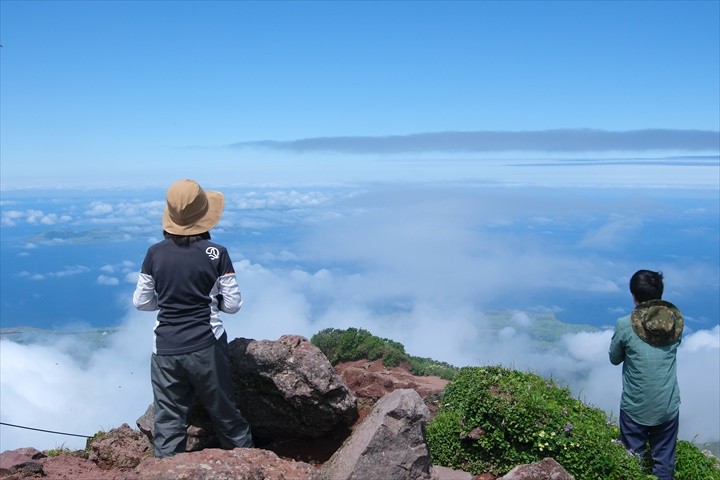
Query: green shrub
{"type": "Point", "coordinates": [692, 464]}
{"type": "Point", "coordinates": [493, 419]}
{"type": "Point", "coordinates": [427, 366]}
{"type": "Point", "coordinates": [355, 344]}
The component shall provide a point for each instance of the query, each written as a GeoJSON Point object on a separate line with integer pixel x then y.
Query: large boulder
{"type": "Point", "coordinates": [287, 389]}
{"type": "Point", "coordinates": [216, 464]}
{"type": "Point", "coordinates": [389, 444]}
{"type": "Point", "coordinates": [546, 469]}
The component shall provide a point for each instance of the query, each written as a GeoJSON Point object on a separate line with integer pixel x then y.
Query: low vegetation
{"type": "Point", "coordinates": [691, 463]}
{"type": "Point", "coordinates": [54, 452]}
{"type": "Point", "coordinates": [492, 419]}
{"type": "Point", "coordinates": [355, 344]}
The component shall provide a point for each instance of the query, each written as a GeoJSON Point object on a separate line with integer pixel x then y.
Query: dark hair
{"type": "Point", "coordinates": [186, 240]}
{"type": "Point", "coordinates": [646, 285]}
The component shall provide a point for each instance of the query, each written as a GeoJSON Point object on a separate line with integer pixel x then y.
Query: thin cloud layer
{"type": "Point", "coordinates": [559, 140]}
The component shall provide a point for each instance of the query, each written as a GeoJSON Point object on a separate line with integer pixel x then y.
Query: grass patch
{"type": "Point", "coordinates": [355, 344]}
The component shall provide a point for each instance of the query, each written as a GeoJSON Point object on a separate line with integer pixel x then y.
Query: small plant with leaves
{"type": "Point", "coordinates": [59, 450]}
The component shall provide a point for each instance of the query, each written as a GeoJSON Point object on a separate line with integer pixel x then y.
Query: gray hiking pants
{"type": "Point", "coordinates": [177, 380]}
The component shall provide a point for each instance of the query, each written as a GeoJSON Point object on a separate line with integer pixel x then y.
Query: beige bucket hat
{"type": "Point", "coordinates": [190, 209]}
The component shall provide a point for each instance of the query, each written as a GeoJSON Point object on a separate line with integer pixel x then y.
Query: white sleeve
{"type": "Point", "coordinates": [230, 291]}
{"type": "Point", "coordinates": [145, 297]}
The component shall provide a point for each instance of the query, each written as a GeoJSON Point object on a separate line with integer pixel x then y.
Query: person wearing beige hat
{"type": "Point", "coordinates": [646, 343]}
{"type": "Point", "coordinates": [190, 279]}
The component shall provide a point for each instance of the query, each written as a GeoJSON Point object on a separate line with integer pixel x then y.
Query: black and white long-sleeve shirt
{"type": "Point", "coordinates": [190, 286]}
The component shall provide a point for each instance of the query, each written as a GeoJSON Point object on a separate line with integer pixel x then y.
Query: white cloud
{"type": "Point", "coordinates": [107, 280]}
{"type": "Point", "coordinates": [133, 218]}
{"type": "Point", "coordinates": [47, 387]}
{"type": "Point", "coordinates": [283, 256]}
{"type": "Point", "coordinates": [282, 199]}
{"type": "Point", "coordinates": [699, 378]}
{"type": "Point", "coordinates": [67, 272]}
{"type": "Point", "coordinates": [521, 318]}
{"type": "Point", "coordinates": [11, 218]}
{"type": "Point", "coordinates": [72, 270]}
{"type": "Point", "coordinates": [612, 234]}
{"type": "Point", "coordinates": [99, 208]}
{"type": "Point", "coordinates": [126, 267]}
{"type": "Point", "coordinates": [702, 340]}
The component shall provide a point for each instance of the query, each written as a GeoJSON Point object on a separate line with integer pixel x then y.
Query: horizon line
{"type": "Point", "coordinates": [550, 140]}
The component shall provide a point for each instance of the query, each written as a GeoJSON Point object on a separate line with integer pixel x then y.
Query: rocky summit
{"type": "Point", "coordinates": [312, 421]}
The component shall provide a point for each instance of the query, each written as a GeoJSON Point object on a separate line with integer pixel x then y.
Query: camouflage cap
{"type": "Point", "coordinates": [657, 322]}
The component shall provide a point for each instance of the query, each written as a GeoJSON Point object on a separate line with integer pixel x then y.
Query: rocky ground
{"type": "Point", "coordinates": [369, 381]}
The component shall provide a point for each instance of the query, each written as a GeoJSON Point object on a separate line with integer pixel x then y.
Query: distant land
{"type": "Point", "coordinates": [30, 335]}
{"type": "Point", "coordinates": [70, 236]}
{"type": "Point", "coordinates": [544, 328]}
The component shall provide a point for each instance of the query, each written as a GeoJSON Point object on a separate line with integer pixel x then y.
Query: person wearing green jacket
{"type": "Point", "coordinates": [646, 343]}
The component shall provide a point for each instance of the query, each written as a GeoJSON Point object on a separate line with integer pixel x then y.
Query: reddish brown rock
{"type": "Point", "coordinates": [216, 464]}
{"type": "Point", "coordinates": [121, 447]}
{"type": "Point", "coordinates": [72, 466]}
{"type": "Point", "coordinates": [371, 380]}
{"type": "Point", "coordinates": [18, 464]}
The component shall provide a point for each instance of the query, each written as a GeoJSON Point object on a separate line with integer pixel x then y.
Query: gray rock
{"type": "Point", "coordinates": [546, 469]}
{"type": "Point", "coordinates": [445, 473]}
{"type": "Point", "coordinates": [388, 444]}
{"type": "Point", "coordinates": [288, 389]}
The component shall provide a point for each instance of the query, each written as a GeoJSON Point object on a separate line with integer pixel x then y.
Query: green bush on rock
{"type": "Point", "coordinates": [493, 419]}
{"type": "Point", "coordinates": [354, 344]}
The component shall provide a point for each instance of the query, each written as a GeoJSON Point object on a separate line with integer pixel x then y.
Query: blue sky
{"type": "Point", "coordinates": [108, 93]}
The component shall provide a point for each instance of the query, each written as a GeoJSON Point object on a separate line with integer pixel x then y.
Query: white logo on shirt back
{"type": "Point", "coordinates": [213, 253]}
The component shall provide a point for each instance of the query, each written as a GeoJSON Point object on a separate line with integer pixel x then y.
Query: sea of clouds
{"type": "Point", "coordinates": [422, 265]}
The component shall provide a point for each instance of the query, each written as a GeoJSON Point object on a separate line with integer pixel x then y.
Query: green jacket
{"type": "Point", "coordinates": [651, 394]}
